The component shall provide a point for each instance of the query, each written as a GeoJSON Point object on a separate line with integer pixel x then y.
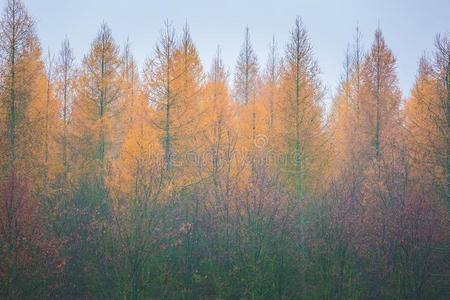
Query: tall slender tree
{"type": "Point", "coordinates": [382, 97]}
{"type": "Point", "coordinates": [189, 111]}
{"type": "Point", "coordinates": [271, 81]}
{"type": "Point", "coordinates": [160, 78]}
{"type": "Point", "coordinates": [300, 111]}
{"type": "Point", "coordinates": [65, 92]}
{"type": "Point", "coordinates": [95, 107]}
{"type": "Point", "coordinates": [246, 89]}
{"type": "Point", "coordinates": [246, 73]}
{"type": "Point", "coordinates": [174, 81]}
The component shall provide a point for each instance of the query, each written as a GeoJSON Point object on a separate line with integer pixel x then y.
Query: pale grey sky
{"type": "Point", "coordinates": [409, 27]}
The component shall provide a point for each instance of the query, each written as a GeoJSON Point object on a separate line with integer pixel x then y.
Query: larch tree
{"type": "Point", "coordinates": [65, 76]}
{"type": "Point", "coordinates": [160, 76]}
{"type": "Point", "coordinates": [246, 72]}
{"type": "Point", "coordinates": [300, 113]}
{"type": "Point", "coordinates": [95, 106]}
{"type": "Point", "coordinates": [174, 81]}
{"type": "Point", "coordinates": [133, 104]}
{"type": "Point", "coordinates": [246, 89]}
{"type": "Point", "coordinates": [380, 107]}
{"type": "Point", "coordinates": [271, 82]}
{"type": "Point", "coordinates": [189, 112]}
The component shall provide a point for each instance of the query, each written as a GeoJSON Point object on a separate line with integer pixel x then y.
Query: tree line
{"type": "Point", "coordinates": [167, 182]}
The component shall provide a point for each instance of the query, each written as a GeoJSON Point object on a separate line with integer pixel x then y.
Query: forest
{"type": "Point", "coordinates": [169, 181]}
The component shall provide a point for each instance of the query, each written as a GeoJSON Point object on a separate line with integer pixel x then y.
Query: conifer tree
{"type": "Point", "coordinates": [159, 79]}
{"type": "Point", "coordinates": [174, 81]}
{"type": "Point", "coordinates": [96, 104]}
{"type": "Point", "coordinates": [300, 112]}
{"type": "Point", "coordinates": [380, 109]}
{"type": "Point", "coordinates": [189, 112]}
{"type": "Point", "coordinates": [246, 89]}
{"type": "Point", "coordinates": [65, 91]}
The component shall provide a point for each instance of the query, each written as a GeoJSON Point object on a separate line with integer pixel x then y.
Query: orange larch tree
{"type": "Point", "coordinates": [95, 107]}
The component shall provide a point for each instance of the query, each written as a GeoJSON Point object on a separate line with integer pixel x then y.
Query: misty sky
{"type": "Point", "coordinates": [408, 26]}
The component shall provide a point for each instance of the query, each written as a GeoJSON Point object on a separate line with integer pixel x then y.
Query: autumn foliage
{"type": "Point", "coordinates": [169, 182]}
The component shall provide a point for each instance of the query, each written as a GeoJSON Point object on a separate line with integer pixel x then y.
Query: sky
{"type": "Point", "coordinates": [409, 27]}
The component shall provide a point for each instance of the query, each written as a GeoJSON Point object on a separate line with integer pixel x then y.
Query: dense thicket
{"type": "Point", "coordinates": [169, 184]}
